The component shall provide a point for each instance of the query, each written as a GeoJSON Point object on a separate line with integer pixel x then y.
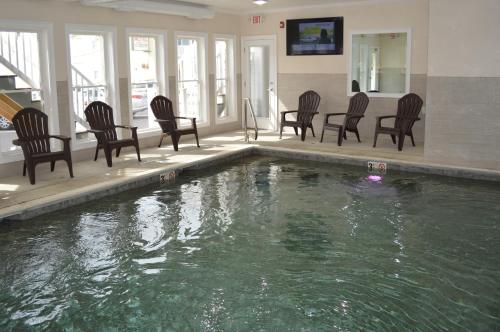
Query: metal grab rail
{"type": "Point", "coordinates": [248, 105]}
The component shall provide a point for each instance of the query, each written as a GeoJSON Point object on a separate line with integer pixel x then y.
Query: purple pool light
{"type": "Point", "coordinates": [374, 178]}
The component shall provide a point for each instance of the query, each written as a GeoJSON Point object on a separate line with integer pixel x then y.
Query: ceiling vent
{"type": "Point", "coordinates": [169, 7]}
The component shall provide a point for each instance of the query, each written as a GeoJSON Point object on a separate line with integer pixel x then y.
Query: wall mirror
{"type": "Point", "coordinates": [380, 63]}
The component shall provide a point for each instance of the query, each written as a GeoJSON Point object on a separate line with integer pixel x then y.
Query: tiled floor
{"type": "Point", "coordinates": [16, 194]}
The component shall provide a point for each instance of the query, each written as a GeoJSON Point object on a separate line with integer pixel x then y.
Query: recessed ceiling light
{"type": "Point", "coordinates": [260, 2]}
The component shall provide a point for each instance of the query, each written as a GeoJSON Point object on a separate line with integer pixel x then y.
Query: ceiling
{"type": "Point", "coordinates": [247, 6]}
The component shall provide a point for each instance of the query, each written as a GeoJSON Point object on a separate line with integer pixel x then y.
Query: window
{"type": "Point", "coordinates": [147, 75]}
{"type": "Point", "coordinates": [25, 79]}
{"type": "Point", "coordinates": [191, 76]}
{"type": "Point", "coordinates": [224, 79]}
{"type": "Point", "coordinates": [92, 79]}
{"type": "Point", "coordinates": [380, 63]}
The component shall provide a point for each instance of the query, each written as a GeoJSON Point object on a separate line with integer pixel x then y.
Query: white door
{"type": "Point", "coordinates": [259, 79]}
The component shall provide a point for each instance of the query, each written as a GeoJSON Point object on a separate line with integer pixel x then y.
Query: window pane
{"type": "Point", "coordinates": [189, 99]}
{"type": "Point", "coordinates": [88, 77]}
{"type": "Point", "coordinates": [142, 94]}
{"type": "Point", "coordinates": [222, 98]}
{"type": "Point", "coordinates": [187, 59]}
{"type": "Point", "coordinates": [143, 59]}
{"type": "Point", "coordinates": [87, 59]}
{"type": "Point", "coordinates": [221, 52]}
{"type": "Point", "coordinates": [20, 81]}
{"type": "Point", "coordinates": [144, 79]}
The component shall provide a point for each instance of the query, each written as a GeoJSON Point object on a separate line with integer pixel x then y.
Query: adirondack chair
{"type": "Point", "coordinates": [32, 128]}
{"type": "Point", "coordinates": [99, 115]}
{"type": "Point", "coordinates": [308, 108]}
{"type": "Point", "coordinates": [164, 113]}
{"type": "Point", "coordinates": [357, 107]}
{"type": "Point", "coordinates": [409, 107]}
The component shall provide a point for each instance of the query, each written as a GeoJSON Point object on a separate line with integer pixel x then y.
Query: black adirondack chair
{"type": "Point", "coordinates": [99, 115]}
{"type": "Point", "coordinates": [32, 128]}
{"type": "Point", "coordinates": [308, 108]}
{"type": "Point", "coordinates": [409, 107]}
{"type": "Point", "coordinates": [357, 107]}
{"type": "Point", "coordinates": [163, 110]}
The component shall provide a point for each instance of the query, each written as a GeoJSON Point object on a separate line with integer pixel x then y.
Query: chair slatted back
{"type": "Point", "coordinates": [32, 127]}
{"type": "Point", "coordinates": [357, 105]}
{"type": "Point", "coordinates": [409, 107]}
{"type": "Point", "coordinates": [308, 105]}
{"type": "Point", "coordinates": [99, 115]}
{"type": "Point", "coordinates": [163, 109]}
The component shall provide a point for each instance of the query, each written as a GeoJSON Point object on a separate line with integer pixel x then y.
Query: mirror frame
{"type": "Point", "coordinates": [409, 40]}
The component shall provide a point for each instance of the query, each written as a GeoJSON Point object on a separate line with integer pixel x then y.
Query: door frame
{"type": "Point", "coordinates": [273, 76]}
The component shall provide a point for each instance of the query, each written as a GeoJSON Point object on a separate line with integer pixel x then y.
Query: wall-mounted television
{"type": "Point", "coordinates": [315, 36]}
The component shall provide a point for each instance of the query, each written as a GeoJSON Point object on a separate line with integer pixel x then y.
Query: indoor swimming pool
{"type": "Point", "coordinates": [262, 244]}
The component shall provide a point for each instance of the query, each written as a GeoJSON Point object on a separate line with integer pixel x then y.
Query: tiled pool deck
{"type": "Point", "coordinates": [20, 200]}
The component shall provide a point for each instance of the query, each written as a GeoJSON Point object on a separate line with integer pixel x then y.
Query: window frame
{"type": "Point", "coordinates": [205, 120]}
{"type": "Point", "coordinates": [232, 115]}
{"type": "Point", "coordinates": [45, 31]}
{"type": "Point", "coordinates": [409, 43]}
{"type": "Point", "coordinates": [111, 66]}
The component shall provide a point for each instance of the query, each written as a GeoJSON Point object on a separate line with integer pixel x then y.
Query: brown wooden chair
{"type": "Point", "coordinates": [308, 108]}
{"type": "Point", "coordinates": [357, 107]}
{"type": "Point", "coordinates": [164, 113]}
{"type": "Point", "coordinates": [32, 128]}
{"type": "Point", "coordinates": [409, 107]}
{"type": "Point", "coordinates": [99, 115]}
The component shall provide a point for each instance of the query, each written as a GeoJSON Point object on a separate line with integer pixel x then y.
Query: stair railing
{"type": "Point", "coordinates": [248, 106]}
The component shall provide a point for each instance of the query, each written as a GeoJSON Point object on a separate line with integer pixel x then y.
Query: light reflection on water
{"type": "Point", "coordinates": [262, 244]}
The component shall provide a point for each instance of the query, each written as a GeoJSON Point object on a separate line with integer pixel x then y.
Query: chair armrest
{"type": "Point", "coordinates": [355, 116]}
{"type": "Point", "coordinates": [126, 127]}
{"type": "Point", "coordinates": [284, 113]}
{"type": "Point", "coordinates": [328, 115]}
{"type": "Point", "coordinates": [95, 131]}
{"type": "Point", "coordinates": [60, 137]}
{"type": "Point", "coordinates": [380, 118]}
{"type": "Point", "coordinates": [18, 142]}
{"type": "Point", "coordinates": [162, 120]}
{"type": "Point", "coordinates": [185, 118]}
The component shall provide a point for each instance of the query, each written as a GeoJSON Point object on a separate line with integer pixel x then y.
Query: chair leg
{"type": "Point", "coordinates": [108, 154]}
{"type": "Point", "coordinates": [137, 150]}
{"type": "Point", "coordinates": [344, 134]}
{"type": "Point", "coordinates": [161, 139]}
{"type": "Point", "coordinates": [175, 141]}
{"type": "Point", "coordinates": [96, 152]}
{"type": "Point", "coordinates": [393, 139]}
{"type": "Point", "coordinates": [118, 150]}
{"type": "Point", "coordinates": [296, 131]}
{"type": "Point", "coordinates": [70, 166]}
{"type": "Point", "coordinates": [281, 130]}
{"type": "Point", "coordinates": [322, 134]}
{"type": "Point", "coordinates": [401, 141]}
{"type": "Point", "coordinates": [197, 140]}
{"type": "Point", "coordinates": [375, 138]}
{"type": "Point", "coordinates": [52, 165]}
{"type": "Point", "coordinates": [24, 168]}
{"type": "Point", "coordinates": [357, 135]}
{"type": "Point", "coordinates": [312, 129]}
{"type": "Point", "coordinates": [341, 135]}
{"type": "Point", "coordinates": [31, 172]}
{"type": "Point", "coordinates": [412, 139]}
{"type": "Point", "coordinates": [303, 130]}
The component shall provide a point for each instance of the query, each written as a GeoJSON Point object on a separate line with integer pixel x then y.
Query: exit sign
{"type": "Point", "coordinates": [256, 19]}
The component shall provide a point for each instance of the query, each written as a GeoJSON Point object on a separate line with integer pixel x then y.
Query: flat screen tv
{"type": "Point", "coordinates": [315, 36]}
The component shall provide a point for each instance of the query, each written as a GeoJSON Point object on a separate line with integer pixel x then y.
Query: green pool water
{"type": "Point", "coordinates": [262, 244]}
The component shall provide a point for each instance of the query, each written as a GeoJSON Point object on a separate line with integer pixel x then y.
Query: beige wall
{"type": "Point", "coordinates": [464, 38]}
{"type": "Point", "coordinates": [383, 15]}
{"type": "Point", "coordinates": [464, 83]}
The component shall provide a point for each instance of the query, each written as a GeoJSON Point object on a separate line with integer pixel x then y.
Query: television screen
{"type": "Point", "coordinates": [315, 36]}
